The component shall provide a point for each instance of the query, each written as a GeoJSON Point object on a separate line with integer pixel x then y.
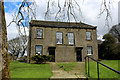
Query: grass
{"type": "Point", "coordinates": [24, 70]}
{"type": "Point", "coordinates": [67, 66]}
{"type": "Point", "coordinates": [104, 72]}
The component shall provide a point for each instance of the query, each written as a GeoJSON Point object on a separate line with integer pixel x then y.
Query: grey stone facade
{"type": "Point", "coordinates": [63, 52]}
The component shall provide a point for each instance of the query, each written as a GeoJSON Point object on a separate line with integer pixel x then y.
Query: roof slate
{"type": "Point", "coordinates": [55, 24]}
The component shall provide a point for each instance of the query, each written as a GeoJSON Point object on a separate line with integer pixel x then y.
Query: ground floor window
{"type": "Point", "coordinates": [38, 49]}
{"type": "Point", "coordinates": [89, 50]}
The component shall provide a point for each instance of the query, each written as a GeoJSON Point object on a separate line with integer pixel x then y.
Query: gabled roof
{"type": "Point", "coordinates": [56, 24]}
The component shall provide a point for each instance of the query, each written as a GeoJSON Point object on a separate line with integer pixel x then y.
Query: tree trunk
{"type": "Point", "coordinates": [23, 52]}
{"type": "Point", "coordinates": [4, 58]}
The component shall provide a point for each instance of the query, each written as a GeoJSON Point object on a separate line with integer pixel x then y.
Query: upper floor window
{"type": "Point", "coordinates": [88, 35]}
{"type": "Point", "coordinates": [70, 38]}
{"type": "Point", "coordinates": [38, 49]}
{"type": "Point", "coordinates": [59, 37]}
{"type": "Point", "coordinates": [39, 33]}
{"type": "Point", "coordinates": [89, 50]}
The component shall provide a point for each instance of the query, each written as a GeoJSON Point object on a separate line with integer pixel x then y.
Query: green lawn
{"type": "Point", "coordinates": [104, 72]}
{"type": "Point", "coordinates": [67, 66]}
{"type": "Point", "coordinates": [24, 70]}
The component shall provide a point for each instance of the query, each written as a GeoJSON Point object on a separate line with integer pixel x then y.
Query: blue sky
{"type": "Point", "coordinates": [10, 6]}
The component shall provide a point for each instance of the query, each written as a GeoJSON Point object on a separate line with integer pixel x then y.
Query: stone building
{"type": "Point", "coordinates": [68, 42]}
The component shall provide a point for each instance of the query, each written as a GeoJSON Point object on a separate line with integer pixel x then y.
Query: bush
{"type": "Point", "coordinates": [41, 58]}
{"type": "Point", "coordinates": [22, 61]}
{"type": "Point", "coordinates": [52, 58]}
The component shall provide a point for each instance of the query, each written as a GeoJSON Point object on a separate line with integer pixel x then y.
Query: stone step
{"type": "Point", "coordinates": [77, 73]}
{"type": "Point", "coordinates": [68, 78]}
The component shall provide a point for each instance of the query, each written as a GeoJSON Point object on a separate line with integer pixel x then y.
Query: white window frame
{"type": "Point", "coordinates": [40, 51]}
{"type": "Point", "coordinates": [89, 50]}
{"type": "Point", "coordinates": [71, 38]}
{"type": "Point", "coordinates": [59, 38]}
{"type": "Point", "coordinates": [88, 35]}
{"type": "Point", "coordinates": [41, 33]}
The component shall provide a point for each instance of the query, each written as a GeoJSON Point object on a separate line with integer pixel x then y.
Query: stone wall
{"type": "Point", "coordinates": [4, 59]}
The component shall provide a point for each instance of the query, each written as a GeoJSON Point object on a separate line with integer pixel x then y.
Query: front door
{"type": "Point", "coordinates": [52, 52]}
{"type": "Point", "coordinates": [78, 55]}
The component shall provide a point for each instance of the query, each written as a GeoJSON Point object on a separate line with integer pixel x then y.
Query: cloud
{"type": "Point", "coordinates": [101, 21]}
{"type": "Point", "coordinates": [13, 0]}
{"type": "Point", "coordinates": [100, 37]}
{"type": "Point", "coordinates": [12, 30]}
{"type": "Point", "coordinates": [90, 11]}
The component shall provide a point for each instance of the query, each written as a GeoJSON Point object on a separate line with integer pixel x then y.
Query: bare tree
{"type": "Point", "coordinates": [23, 45]}
{"type": "Point", "coordinates": [14, 47]}
{"type": "Point", "coordinates": [21, 18]}
{"type": "Point", "coordinates": [71, 10]}
{"type": "Point", "coordinates": [105, 8]}
{"type": "Point", "coordinates": [66, 12]}
{"type": "Point", "coordinates": [17, 46]}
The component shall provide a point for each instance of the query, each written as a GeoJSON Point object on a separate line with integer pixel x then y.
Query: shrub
{"type": "Point", "coordinates": [52, 58]}
{"type": "Point", "coordinates": [41, 58]}
{"type": "Point", "coordinates": [22, 61]}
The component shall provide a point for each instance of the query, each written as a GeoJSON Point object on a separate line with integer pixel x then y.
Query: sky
{"type": "Point", "coordinates": [90, 11]}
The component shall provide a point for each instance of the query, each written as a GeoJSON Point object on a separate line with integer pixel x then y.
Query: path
{"type": "Point", "coordinates": [78, 70]}
{"type": "Point", "coordinates": [76, 73]}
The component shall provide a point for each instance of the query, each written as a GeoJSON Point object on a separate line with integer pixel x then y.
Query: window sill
{"type": "Point", "coordinates": [89, 54]}
{"type": "Point", "coordinates": [59, 44]}
{"type": "Point", "coordinates": [66, 44]}
{"type": "Point", "coordinates": [38, 38]}
{"type": "Point", "coordinates": [71, 44]}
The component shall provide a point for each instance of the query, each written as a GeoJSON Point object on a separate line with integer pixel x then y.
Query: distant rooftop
{"type": "Point", "coordinates": [56, 24]}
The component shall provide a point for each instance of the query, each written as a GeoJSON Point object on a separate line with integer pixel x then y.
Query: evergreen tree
{"type": "Point", "coordinates": [109, 48]}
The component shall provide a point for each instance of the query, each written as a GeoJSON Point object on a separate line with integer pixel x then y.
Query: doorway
{"type": "Point", "coordinates": [79, 54]}
{"type": "Point", "coordinates": [52, 52]}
